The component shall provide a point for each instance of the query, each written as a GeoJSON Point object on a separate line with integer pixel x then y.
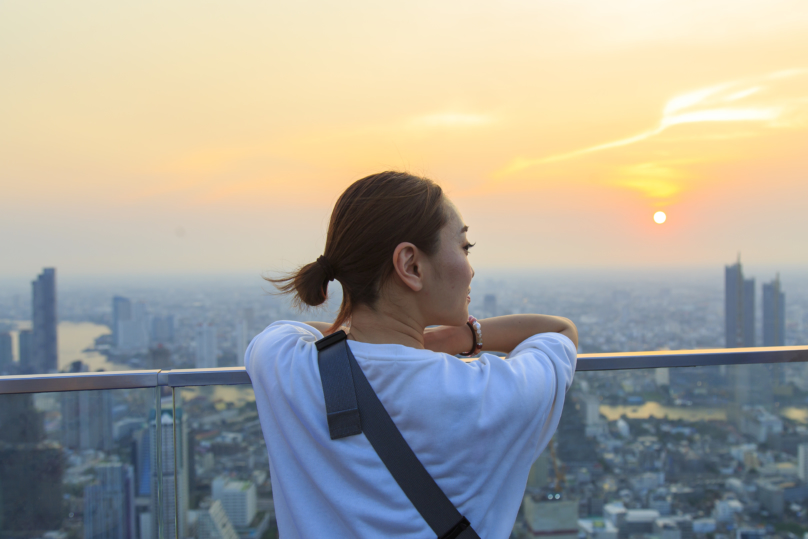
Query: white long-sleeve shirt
{"type": "Point", "coordinates": [477, 427]}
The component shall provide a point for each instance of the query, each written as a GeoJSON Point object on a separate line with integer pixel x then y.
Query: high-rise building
{"type": "Point", "coordinates": [130, 330]}
{"type": "Point", "coordinates": [774, 314]}
{"type": "Point", "coordinates": [739, 308]}
{"type": "Point", "coordinates": [24, 346]}
{"type": "Point", "coordinates": [206, 347]}
{"type": "Point", "coordinates": [162, 329]}
{"type": "Point", "coordinates": [753, 386]}
{"type": "Point", "coordinates": [87, 417]}
{"type": "Point", "coordinates": [31, 470]}
{"type": "Point", "coordinates": [121, 310]}
{"type": "Point", "coordinates": [239, 499]}
{"type": "Point", "coordinates": [574, 449]}
{"type": "Point", "coordinates": [6, 355]}
{"type": "Point", "coordinates": [174, 516]}
{"type": "Point", "coordinates": [44, 351]}
{"type": "Point", "coordinates": [213, 523]}
{"type": "Point", "coordinates": [109, 503]}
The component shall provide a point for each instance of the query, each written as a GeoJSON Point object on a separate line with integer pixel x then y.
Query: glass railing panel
{"type": "Point", "coordinates": [78, 464]}
{"type": "Point", "coordinates": [226, 472]}
{"type": "Point", "coordinates": [702, 450]}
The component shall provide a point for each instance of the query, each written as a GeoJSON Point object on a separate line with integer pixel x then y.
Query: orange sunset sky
{"type": "Point", "coordinates": [202, 137]}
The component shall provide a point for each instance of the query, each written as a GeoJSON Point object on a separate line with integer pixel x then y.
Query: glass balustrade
{"type": "Point", "coordinates": [674, 451]}
{"type": "Point", "coordinates": [226, 475]}
{"type": "Point", "coordinates": [81, 464]}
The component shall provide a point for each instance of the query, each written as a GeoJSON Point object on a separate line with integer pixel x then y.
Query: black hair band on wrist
{"type": "Point", "coordinates": [476, 337]}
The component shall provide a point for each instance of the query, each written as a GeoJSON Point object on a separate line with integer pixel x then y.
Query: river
{"type": "Point", "coordinates": [687, 413]}
{"type": "Point", "coordinates": [655, 409]}
{"type": "Point", "coordinates": [73, 338]}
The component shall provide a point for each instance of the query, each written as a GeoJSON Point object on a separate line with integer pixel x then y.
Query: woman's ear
{"type": "Point", "coordinates": [406, 258]}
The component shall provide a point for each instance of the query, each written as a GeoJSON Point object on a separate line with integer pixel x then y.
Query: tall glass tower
{"type": "Point", "coordinates": [774, 314]}
{"type": "Point", "coordinates": [739, 307]}
{"type": "Point", "coordinates": [43, 353]}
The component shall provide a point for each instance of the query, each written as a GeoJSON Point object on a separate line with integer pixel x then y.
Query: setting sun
{"type": "Point", "coordinates": [660, 217]}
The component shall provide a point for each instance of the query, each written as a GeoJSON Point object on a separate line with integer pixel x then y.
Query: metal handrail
{"type": "Point", "coordinates": [45, 383]}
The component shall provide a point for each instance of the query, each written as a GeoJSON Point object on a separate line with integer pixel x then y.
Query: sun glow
{"type": "Point", "coordinates": [660, 217]}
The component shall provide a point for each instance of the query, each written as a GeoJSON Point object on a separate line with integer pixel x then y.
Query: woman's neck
{"type": "Point", "coordinates": [386, 326]}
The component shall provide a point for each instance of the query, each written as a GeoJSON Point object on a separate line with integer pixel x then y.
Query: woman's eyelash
{"type": "Point", "coordinates": [469, 246]}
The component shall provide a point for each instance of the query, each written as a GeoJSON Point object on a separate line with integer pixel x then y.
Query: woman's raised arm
{"type": "Point", "coordinates": [500, 334]}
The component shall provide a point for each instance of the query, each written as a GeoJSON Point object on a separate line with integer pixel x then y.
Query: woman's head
{"type": "Point", "coordinates": [381, 228]}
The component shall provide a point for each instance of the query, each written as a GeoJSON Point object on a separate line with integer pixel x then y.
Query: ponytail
{"type": "Point", "coordinates": [369, 220]}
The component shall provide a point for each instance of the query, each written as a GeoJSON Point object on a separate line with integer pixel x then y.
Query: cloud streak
{"type": "Point", "coordinates": [715, 104]}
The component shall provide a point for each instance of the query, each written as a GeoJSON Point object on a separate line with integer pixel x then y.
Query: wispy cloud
{"type": "Point", "coordinates": [737, 101]}
{"type": "Point", "coordinates": [655, 180]}
{"type": "Point", "coordinates": [450, 119]}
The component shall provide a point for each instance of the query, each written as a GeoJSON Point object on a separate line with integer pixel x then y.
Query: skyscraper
{"type": "Point", "coordinates": [774, 314]}
{"type": "Point", "coordinates": [130, 330]}
{"type": "Point", "coordinates": [44, 352]}
{"type": "Point", "coordinates": [109, 503]}
{"type": "Point", "coordinates": [121, 310]}
{"type": "Point", "coordinates": [6, 357]}
{"type": "Point", "coordinates": [87, 417]}
{"type": "Point", "coordinates": [31, 469]}
{"type": "Point", "coordinates": [162, 329]}
{"type": "Point", "coordinates": [739, 308]}
{"type": "Point", "coordinates": [206, 347]}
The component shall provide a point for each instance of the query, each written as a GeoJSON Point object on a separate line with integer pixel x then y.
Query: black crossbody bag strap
{"type": "Point", "coordinates": [353, 407]}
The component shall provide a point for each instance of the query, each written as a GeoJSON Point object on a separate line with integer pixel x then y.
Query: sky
{"type": "Point", "coordinates": [202, 137]}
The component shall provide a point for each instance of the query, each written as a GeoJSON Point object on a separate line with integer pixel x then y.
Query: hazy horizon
{"type": "Point", "coordinates": [790, 275]}
{"type": "Point", "coordinates": [147, 138]}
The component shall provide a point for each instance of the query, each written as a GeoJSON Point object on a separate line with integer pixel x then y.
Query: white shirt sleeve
{"type": "Point", "coordinates": [533, 379]}
{"type": "Point", "coordinates": [279, 340]}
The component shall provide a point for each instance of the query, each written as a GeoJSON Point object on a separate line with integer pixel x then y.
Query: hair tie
{"type": "Point", "coordinates": [329, 271]}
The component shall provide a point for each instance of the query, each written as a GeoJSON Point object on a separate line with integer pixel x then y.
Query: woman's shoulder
{"type": "Point", "coordinates": [279, 337]}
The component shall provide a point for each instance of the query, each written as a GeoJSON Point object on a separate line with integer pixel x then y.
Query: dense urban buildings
{"type": "Point", "coordinates": [686, 453]}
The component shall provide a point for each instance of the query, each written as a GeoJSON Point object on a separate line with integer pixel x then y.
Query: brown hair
{"type": "Point", "coordinates": [369, 220]}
